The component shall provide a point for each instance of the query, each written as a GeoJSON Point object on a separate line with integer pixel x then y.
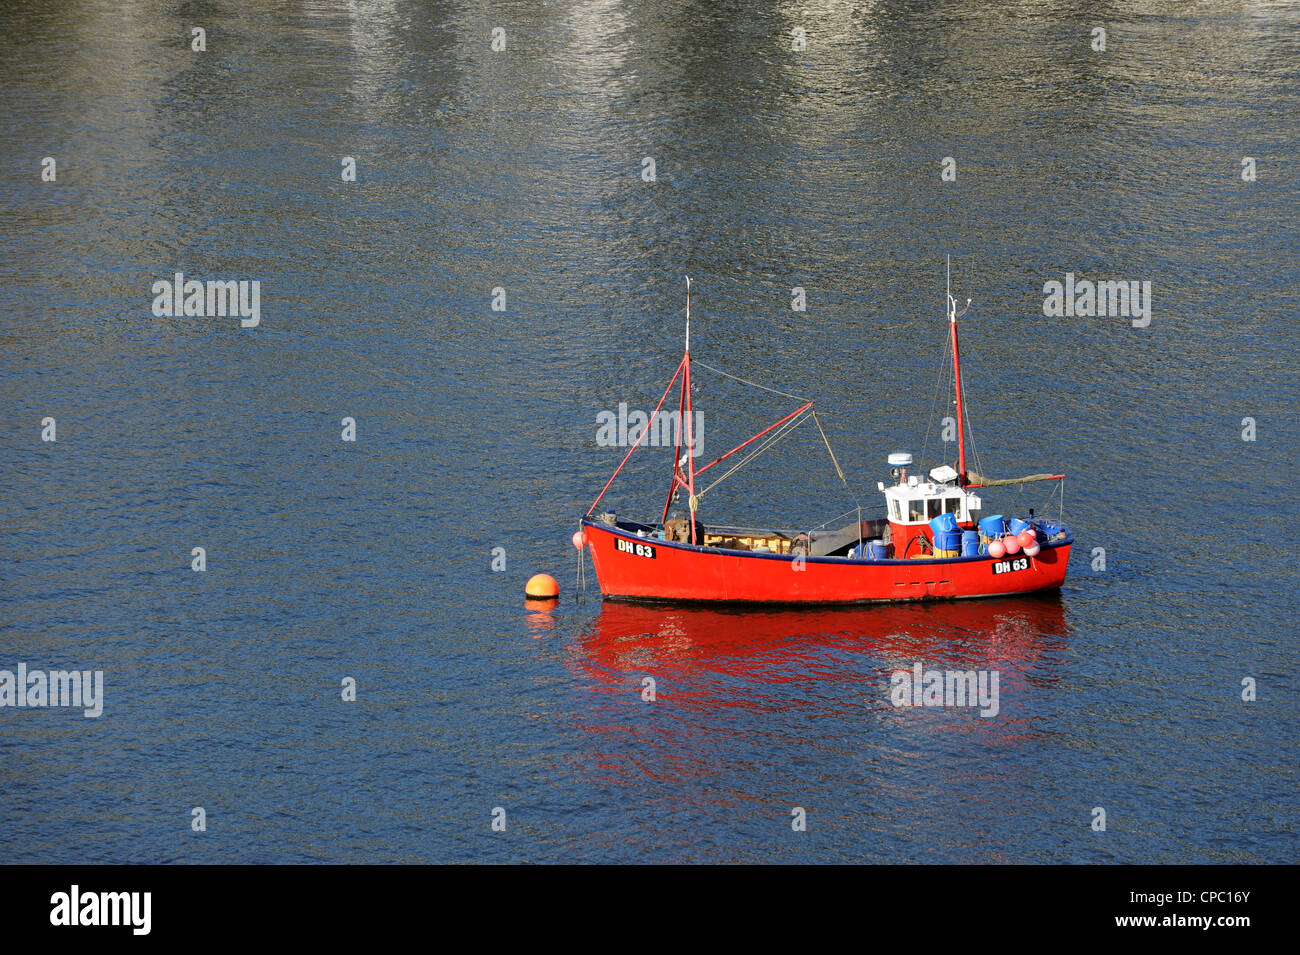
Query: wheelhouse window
{"type": "Point", "coordinates": [916, 511]}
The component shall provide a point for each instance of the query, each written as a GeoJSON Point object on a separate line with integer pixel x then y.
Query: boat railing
{"type": "Point", "coordinates": [771, 532]}
{"type": "Point", "coordinates": [794, 532]}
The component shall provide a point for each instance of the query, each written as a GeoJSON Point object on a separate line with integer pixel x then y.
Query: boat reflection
{"type": "Point", "coordinates": [776, 645]}
{"type": "Point", "coordinates": [768, 709]}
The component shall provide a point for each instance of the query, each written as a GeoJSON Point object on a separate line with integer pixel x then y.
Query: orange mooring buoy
{"type": "Point", "coordinates": [542, 586]}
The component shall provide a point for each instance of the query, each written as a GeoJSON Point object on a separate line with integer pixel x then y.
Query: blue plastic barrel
{"type": "Point", "coordinates": [944, 522]}
{"type": "Point", "coordinates": [947, 540]}
{"type": "Point", "coordinates": [992, 526]}
{"type": "Point", "coordinates": [878, 550]}
{"type": "Point", "coordinates": [1017, 525]}
{"type": "Point", "coordinates": [970, 544]}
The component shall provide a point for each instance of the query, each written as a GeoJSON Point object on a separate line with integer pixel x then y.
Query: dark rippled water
{"type": "Point", "coordinates": [521, 169]}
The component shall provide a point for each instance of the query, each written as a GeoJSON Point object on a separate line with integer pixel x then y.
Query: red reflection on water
{"type": "Point", "coordinates": [736, 687]}
{"type": "Point", "coordinates": [762, 644]}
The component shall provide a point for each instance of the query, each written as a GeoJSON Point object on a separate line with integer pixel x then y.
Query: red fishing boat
{"type": "Point", "coordinates": [932, 541]}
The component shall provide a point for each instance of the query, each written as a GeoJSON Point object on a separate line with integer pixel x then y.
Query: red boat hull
{"type": "Point", "coordinates": [644, 568]}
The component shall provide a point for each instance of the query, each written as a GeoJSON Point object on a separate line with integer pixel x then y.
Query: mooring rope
{"type": "Point", "coordinates": [580, 585]}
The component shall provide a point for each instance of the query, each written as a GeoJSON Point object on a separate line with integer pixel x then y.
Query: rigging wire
{"type": "Point", "coordinates": [970, 429]}
{"type": "Point", "coordinates": [944, 365]}
{"type": "Point", "coordinates": [780, 433]}
{"type": "Point", "coordinates": [838, 471]}
{"type": "Point", "coordinates": [744, 381]}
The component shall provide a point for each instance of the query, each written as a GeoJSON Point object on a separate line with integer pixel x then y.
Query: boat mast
{"type": "Point", "coordinates": [684, 412]}
{"type": "Point", "coordinates": [690, 418]}
{"type": "Point", "coordinates": [677, 452]}
{"type": "Point", "coordinates": [956, 374]}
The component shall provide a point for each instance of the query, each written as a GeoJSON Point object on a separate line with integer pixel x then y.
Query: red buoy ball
{"type": "Point", "coordinates": [996, 550]}
{"type": "Point", "coordinates": [1027, 539]}
{"type": "Point", "coordinates": [1011, 544]}
{"type": "Point", "coordinates": [1032, 550]}
{"type": "Point", "coordinates": [579, 539]}
{"type": "Point", "coordinates": [542, 587]}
